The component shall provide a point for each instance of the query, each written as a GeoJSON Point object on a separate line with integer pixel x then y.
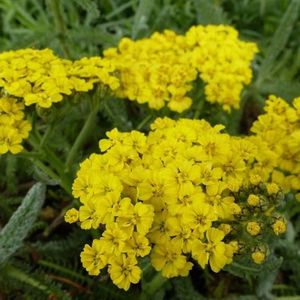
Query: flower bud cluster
{"type": "Point", "coordinates": [259, 222]}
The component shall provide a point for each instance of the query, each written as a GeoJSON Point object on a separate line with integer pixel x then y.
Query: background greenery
{"type": "Point", "coordinates": [39, 253]}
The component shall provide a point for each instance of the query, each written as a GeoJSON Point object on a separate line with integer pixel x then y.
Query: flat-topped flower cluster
{"type": "Point", "coordinates": [181, 195]}
{"type": "Point", "coordinates": [38, 77]}
{"type": "Point", "coordinates": [159, 71]}
{"type": "Point", "coordinates": [277, 136]}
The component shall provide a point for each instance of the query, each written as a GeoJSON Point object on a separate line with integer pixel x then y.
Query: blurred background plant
{"type": "Point", "coordinates": [45, 260]}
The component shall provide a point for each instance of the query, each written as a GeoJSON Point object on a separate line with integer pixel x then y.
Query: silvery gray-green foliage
{"type": "Point", "coordinates": [16, 230]}
{"type": "Point", "coordinates": [279, 40]}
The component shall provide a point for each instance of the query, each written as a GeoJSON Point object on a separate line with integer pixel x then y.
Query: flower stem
{"type": "Point", "coordinates": [144, 122]}
{"type": "Point", "coordinates": [81, 138]}
{"type": "Point", "coordinates": [63, 270]}
{"type": "Point", "coordinates": [53, 161]}
{"type": "Point", "coordinates": [150, 288]}
{"type": "Point", "coordinates": [19, 275]}
{"type": "Point", "coordinates": [60, 179]}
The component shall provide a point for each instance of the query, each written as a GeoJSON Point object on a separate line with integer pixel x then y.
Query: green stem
{"type": "Point", "coordinates": [57, 221]}
{"type": "Point", "coordinates": [62, 270]}
{"type": "Point", "coordinates": [281, 287]}
{"type": "Point", "coordinates": [62, 181]}
{"type": "Point", "coordinates": [53, 161]}
{"type": "Point", "coordinates": [50, 156]}
{"type": "Point", "coordinates": [288, 298]}
{"type": "Point", "coordinates": [149, 289]}
{"type": "Point", "coordinates": [143, 122]}
{"type": "Point", "coordinates": [81, 138]}
{"type": "Point", "coordinates": [199, 108]}
{"type": "Point", "coordinates": [19, 275]}
{"type": "Point", "coordinates": [242, 267]}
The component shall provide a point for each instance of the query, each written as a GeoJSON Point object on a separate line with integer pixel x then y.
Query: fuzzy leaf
{"type": "Point", "coordinates": [140, 22]}
{"type": "Point", "coordinates": [209, 12]}
{"type": "Point", "coordinates": [17, 228]}
{"type": "Point", "coordinates": [279, 39]}
{"type": "Point", "coordinates": [266, 279]}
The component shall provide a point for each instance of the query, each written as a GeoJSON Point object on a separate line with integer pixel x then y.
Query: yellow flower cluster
{"type": "Point", "coordinates": [156, 70]}
{"type": "Point", "coordinates": [223, 62]}
{"type": "Point", "coordinates": [277, 136]}
{"type": "Point", "coordinates": [160, 70]}
{"type": "Point", "coordinates": [170, 195]}
{"type": "Point", "coordinates": [13, 127]}
{"type": "Point", "coordinates": [40, 77]}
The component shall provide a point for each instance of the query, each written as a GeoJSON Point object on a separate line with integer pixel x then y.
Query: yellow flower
{"type": "Point", "coordinates": [169, 259]}
{"type": "Point", "coordinates": [113, 239]}
{"type": "Point", "coordinates": [137, 217]}
{"type": "Point", "coordinates": [224, 207]}
{"type": "Point", "coordinates": [231, 249]}
{"type": "Point", "coordinates": [226, 228]}
{"type": "Point", "coordinates": [253, 228]}
{"type": "Point", "coordinates": [138, 245]}
{"type": "Point", "coordinates": [10, 140]}
{"type": "Point", "coordinates": [72, 215]}
{"type": "Point", "coordinates": [89, 215]}
{"type": "Point", "coordinates": [258, 257]}
{"type": "Point", "coordinates": [212, 252]}
{"type": "Point", "coordinates": [123, 271]}
{"type": "Point", "coordinates": [272, 188]}
{"type": "Point", "coordinates": [253, 200]}
{"type": "Point", "coordinates": [199, 216]}
{"type": "Point", "coordinates": [94, 258]}
{"type": "Point", "coordinates": [279, 226]}
{"type": "Point", "coordinates": [106, 207]}
{"type": "Point", "coordinates": [255, 179]}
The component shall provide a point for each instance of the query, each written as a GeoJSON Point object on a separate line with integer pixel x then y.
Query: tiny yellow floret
{"type": "Point", "coordinates": [253, 200]}
{"type": "Point", "coordinates": [253, 228]}
{"type": "Point", "coordinates": [258, 257]}
{"type": "Point", "coordinates": [72, 215]}
{"type": "Point", "coordinates": [272, 188]}
{"type": "Point", "coordinates": [279, 226]}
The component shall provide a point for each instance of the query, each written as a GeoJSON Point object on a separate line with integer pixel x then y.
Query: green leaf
{"type": "Point", "coordinates": [10, 174]}
{"type": "Point", "coordinates": [279, 40]}
{"type": "Point", "coordinates": [209, 12]}
{"type": "Point", "coordinates": [281, 88]}
{"type": "Point", "coordinates": [185, 290]}
{"type": "Point", "coordinates": [141, 17]}
{"type": "Point", "coordinates": [17, 228]}
{"type": "Point", "coordinates": [116, 112]}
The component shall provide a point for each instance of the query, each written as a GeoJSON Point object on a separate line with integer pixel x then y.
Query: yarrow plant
{"type": "Point", "coordinates": [184, 194]}
{"type": "Point", "coordinates": [181, 195]}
